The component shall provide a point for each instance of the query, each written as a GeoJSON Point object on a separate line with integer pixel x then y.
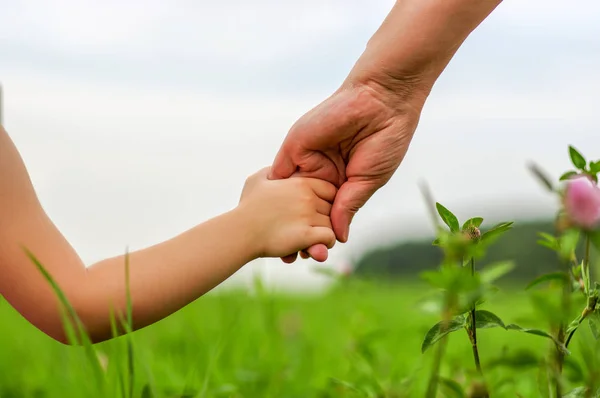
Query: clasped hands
{"type": "Point", "coordinates": [355, 140]}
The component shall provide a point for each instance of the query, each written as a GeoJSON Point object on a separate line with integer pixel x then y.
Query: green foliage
{"type": "Point", "coordinates": [409, 259]}
{"type": "Point", "coordinates": [594, 323]}
{"type": "Point", "coordinates": [448, 217]}
{"type": "Point", "coordinates": [594, 167]}
{"type": "Point", "coordinates": [541, 333]}
{"type": "Point", "coordinates": [486, 320]}
{"type": "Point", "coordinates": [472, 222]}
{"type": "Point", "coordinates": [568, 175]}
{"type": "Point", "coordinates": [71, 321]}
{"type": "Point", "coordinates": [577, 158]}
{"type": "Point", "coordinates": [495, 232]}
{"type": "Point", "coordinates": [441, 329]}
{"type": "Point", "coordinates": [549, 277]}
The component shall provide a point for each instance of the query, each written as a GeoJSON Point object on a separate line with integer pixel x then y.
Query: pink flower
{"type": "Point", "coordinates": [582, 202]}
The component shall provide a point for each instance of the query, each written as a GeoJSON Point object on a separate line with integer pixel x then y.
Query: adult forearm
{"type": "Point", "coordinates": [416, 42]}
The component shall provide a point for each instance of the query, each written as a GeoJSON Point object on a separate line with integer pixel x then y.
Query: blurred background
{"type": "Point", "coordinates": [138, 120]}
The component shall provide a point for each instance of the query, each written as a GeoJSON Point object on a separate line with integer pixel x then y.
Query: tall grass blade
{"type": "Point", "coordinates": [82, 336]}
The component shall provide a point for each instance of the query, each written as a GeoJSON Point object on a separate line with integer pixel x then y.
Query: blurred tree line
{"type": "Point", "coordinates": [408, 259]}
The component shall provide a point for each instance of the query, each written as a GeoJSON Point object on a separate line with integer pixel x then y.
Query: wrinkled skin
{"type": "Point", "coordinates": [355, 139]}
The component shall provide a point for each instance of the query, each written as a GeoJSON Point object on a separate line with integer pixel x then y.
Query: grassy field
{"type": "Point", "coordinates": [357, 340]}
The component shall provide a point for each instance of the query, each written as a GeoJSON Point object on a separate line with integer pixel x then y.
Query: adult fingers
{"type": "Point", "coordinates": [283, 165]}
{"type": "Point", "coordinates": [349, 199]}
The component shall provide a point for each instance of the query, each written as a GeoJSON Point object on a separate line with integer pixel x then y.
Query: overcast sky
{"type": "Point", "coordinates": [138, 120]}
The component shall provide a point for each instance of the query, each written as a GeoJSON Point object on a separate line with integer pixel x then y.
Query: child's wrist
{"type": "Point", "coordinates": [247, 222]}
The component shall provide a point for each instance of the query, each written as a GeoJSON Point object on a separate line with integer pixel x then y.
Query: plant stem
{"type": "Point", "coordinates": [473, 331]}
{"type": "Point", "coordinates": [586, 259]}
{"type": "Point", "coordinates": [592, 301]}
{"type": "Point", "coordinates": [439, 354]}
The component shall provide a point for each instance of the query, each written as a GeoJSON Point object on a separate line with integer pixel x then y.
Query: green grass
{"type": "Point", "coordinates": [357, 340]}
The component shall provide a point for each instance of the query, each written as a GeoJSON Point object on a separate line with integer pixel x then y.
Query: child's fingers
{"type": "Point", "coordinates": [289, 259]}
{"type": "Point", "coordinates": [324, 207]}
{"type": "Point", "coordinates": [259, 175]}
{"type": "Point", "coordinates": [321, 220]}
{"type": "Point", "coordinates": [318, 253]}
{"type": "Point", "coordinates": [323, 235]}
{"type": "Point", "coordinates": [324, 190]}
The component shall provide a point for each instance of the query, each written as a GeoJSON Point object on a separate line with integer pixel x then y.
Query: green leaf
{"type": "Point", "coordinates": [549, 245]}
{"type": "Point", "coordinates": [448, 217]}
{"type": "Point", "coordinates": [577, 158]}
{"type": "Point", "coordinates": [451, 388]}
{"type": "Point", "coordinates": [487, 320]}
{"type": "Point", "coordinates": [438, 331]}
{"type": "Point", "coordinates": [541, 176]}
{"type": "Point", "coordinates": [75, 328]}
{"type": "Point", "coordinates": [595, 166]}
{"type": "Point", "coordinates": [494, 271]}
{"type": "Point", "coordinates": [472, 222]}
{"type": "Point", "coordinates": [594, 322]}
{"type": "Point", "coordinates": [568, 175]}
{"type": "Point", "coordinates": [495, 232]}
{"type": "Point", "coordinates": [548, 241]}
{"type": "Point", "coordinates": [541, 333]}
{"type": "Point", "coordinates": [552, 276]}
{"type": "Point", "coordinates": [547, 236]}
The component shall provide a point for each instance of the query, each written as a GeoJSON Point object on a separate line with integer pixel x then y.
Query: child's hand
{"type": "Point", "coordinates": [287, 216]}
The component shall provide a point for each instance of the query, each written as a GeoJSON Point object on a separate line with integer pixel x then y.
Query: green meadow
{"type": "Point", "coordinates": [357, 339]}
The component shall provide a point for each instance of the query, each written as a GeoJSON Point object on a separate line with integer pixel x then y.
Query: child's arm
{"type": "Point", "coordinates": [273, 219]}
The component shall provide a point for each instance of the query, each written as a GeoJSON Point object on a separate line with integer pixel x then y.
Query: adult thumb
{"type": "Point", "coordinates": [351, 196]}
{"type": "Point", "coordinates": [283, 166]}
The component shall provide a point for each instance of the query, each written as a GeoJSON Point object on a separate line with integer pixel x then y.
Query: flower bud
{"type": "Point", "coordinates": [582, 202]}
{"type": "Point", "coordinates": [473, 233]}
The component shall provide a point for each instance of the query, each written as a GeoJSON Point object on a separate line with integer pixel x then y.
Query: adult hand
{"type": "Point", "coordinates": [356, 139]}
